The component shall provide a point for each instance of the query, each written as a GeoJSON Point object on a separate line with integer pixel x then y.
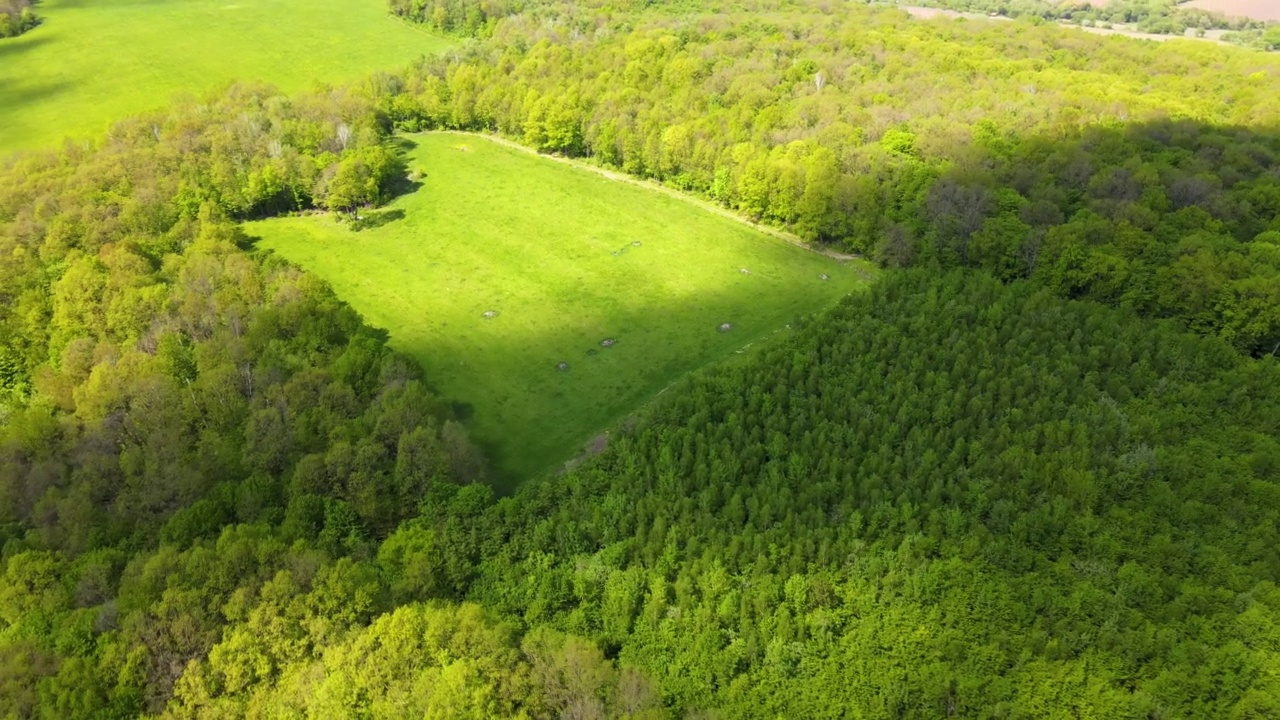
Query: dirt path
{"type": "Point", "coordinates": [659, 187]}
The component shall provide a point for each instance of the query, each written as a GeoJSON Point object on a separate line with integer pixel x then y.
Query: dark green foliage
{"type": "Point", "coordinates": [457, 16]}
{"type": "Point", "coordinates": [1170, 219]}
{"type": "Point", "coordinates": [948, 497]}
{"type": "Point", "coordinates": [1163, 17]}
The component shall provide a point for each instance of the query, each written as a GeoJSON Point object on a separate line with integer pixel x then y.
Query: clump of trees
{"type": "Point", "coordinates": [17, 17]}
{"type": "Point", "coordinates": [1162, 17]}
{"type": "Point", "coordinates": [1260, 39]}
{"type": "Point", "coordinates": [364, 177]}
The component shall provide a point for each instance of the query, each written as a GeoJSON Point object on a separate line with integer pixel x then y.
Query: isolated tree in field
{"type": "Point", "coordinates": [350, 187]}
{"type": "Point", "coordinates": [361, 179]}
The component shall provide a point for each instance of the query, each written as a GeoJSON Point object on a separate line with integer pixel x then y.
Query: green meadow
{"type": "Point", "coordinates": [562, 260]}
{"type": "Point", "coordinates": [93, 62]}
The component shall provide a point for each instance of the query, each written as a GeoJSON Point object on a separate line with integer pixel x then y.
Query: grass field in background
{"type": "Point", "coordinates": [93, 62]}
{"type": "Point", "coordinates": [567, 259]}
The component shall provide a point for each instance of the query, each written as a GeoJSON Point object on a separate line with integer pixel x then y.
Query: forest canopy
{"type": "Point", "coordinates": [1034, 471]}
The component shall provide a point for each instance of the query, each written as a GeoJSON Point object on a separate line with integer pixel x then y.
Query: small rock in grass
{"type": "Point", "coordinates": [725, 327]}
{"type": "Point", "coordinates": [562, 366]}
{"type": "Point", "coordinates": [824, 276]}
{"type": "Point", "coordinates": [608, 342]}
{"type": "Point", "coordinates": [744, 271]}
{"type": "Point", "coordinates": [490, 314]}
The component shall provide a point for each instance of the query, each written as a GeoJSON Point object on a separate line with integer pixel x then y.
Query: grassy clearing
{"type": "Point", "coordinates": [92, 63]}
{"type": "Point", "coordinates": [567, 259]}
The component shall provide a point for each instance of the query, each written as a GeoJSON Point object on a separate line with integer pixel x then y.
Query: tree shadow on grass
{"type": "Point", "coordinates": [462, 410]}
{"type": "Point", "coordinates": [13, 98]}
{"type": "Point", "coordinates": [13, 46]}
{"type": "Point", "coordinates": [18, 91]}
{"type": "Point", "coordinates": [370, 219]}
{"type": "Point", "coordinates": [408, 179]}
{"type": "Point", "coordinates": [404, 185]}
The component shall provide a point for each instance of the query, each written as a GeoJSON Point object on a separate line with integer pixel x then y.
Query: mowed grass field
{"type": "Point", "coordinates": [93, 62]}
{"type": "Point", "coordinates": [566, 259]}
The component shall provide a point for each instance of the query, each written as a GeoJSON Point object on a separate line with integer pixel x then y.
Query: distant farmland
{"type": "Point", "coordinates": [1256, 9]}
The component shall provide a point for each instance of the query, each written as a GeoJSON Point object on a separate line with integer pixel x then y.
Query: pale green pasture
{"type": "Point", "coordinates": [567, 259]}
{"type": "Point", "coordinates": [93, 62]}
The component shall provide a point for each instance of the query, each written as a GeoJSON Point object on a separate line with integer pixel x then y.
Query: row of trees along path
{"type": "Point", "coordinates": [665, 190]}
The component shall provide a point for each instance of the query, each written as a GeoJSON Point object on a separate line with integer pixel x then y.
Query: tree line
{"type": "Point", "coordinates": [160, 382]}
{"type": "Point", "coordinates": [1160, 17]}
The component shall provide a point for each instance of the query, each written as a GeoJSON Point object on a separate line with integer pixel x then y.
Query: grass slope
{"type": "Point", "coordinates": [91, 63]}
{"type": "Point", "coordinates": [551, 248]}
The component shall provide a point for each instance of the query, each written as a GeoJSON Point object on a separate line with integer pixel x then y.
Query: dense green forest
{"type": "Point", "coordinates": [947, 498]}
{"type": "Point", "coordinates": [1034, 472]}
{"type": "Point", "coordinates": [16, 17]}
